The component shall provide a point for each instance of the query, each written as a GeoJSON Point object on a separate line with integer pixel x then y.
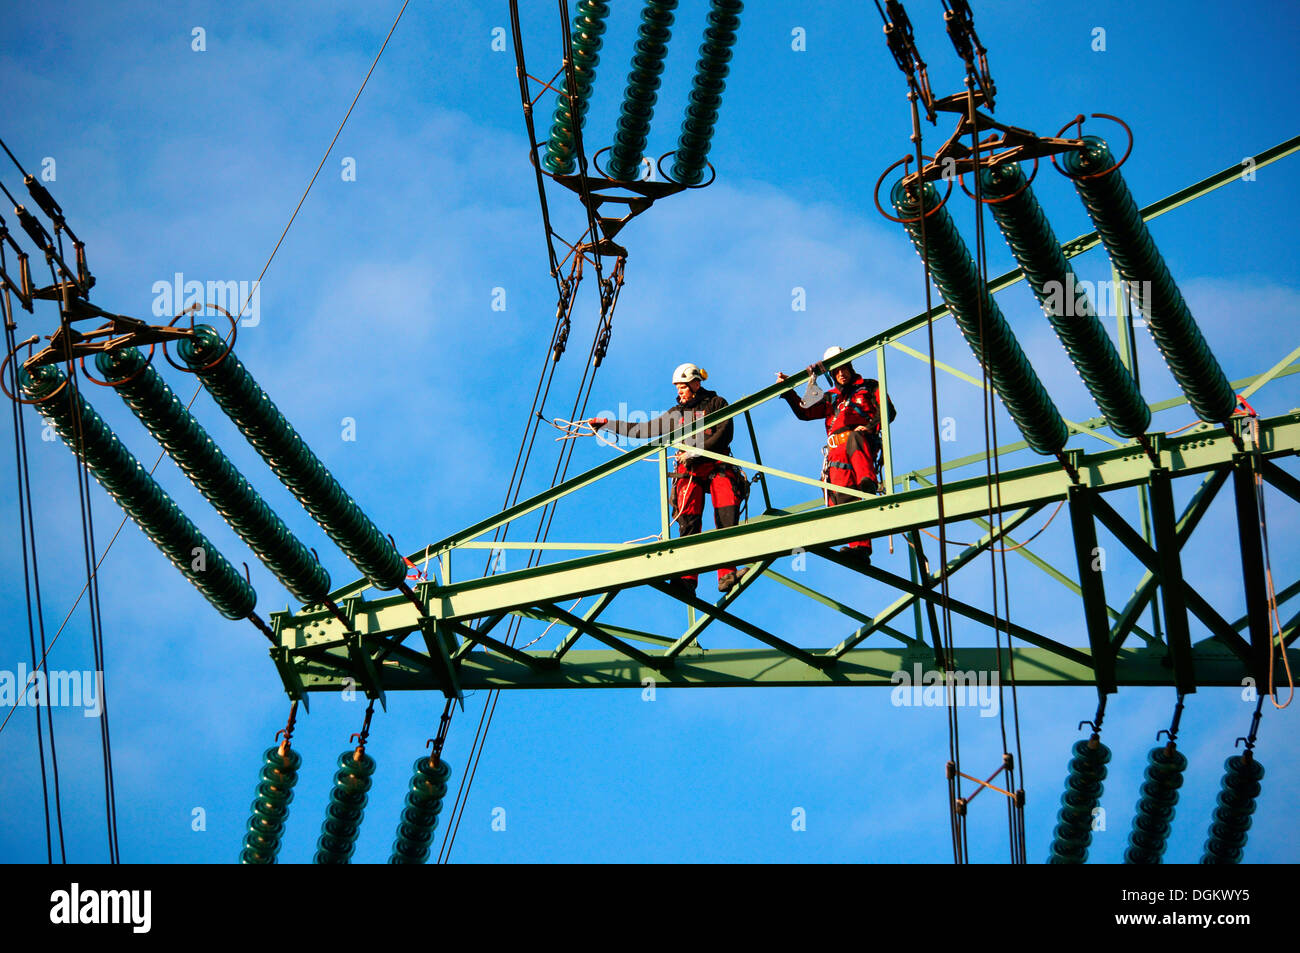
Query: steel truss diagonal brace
{"type": "Point", "coordinates": [1178, 595]}
{"type": "Point", "coordinates": [1195, 509]}
{"type": "Point", "coordinates": [930, 581]}
{"type": "Point", "coordinates": [1094, 591]}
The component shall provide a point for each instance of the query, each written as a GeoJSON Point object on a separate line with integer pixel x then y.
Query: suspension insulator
{"type": "Point", "coordinates": [1233, 809]}
{"type": "Point", "coordinates": [980, 319]}
{"type": "Point", "coordinates": [420, 813]}
{"type": "Point", "coordinates": [130, 484]}
{"type": "Point", "coordinates": [244, 402]}
{"type": "Point", "coordinates": [1063, 299]}
{"type": "Point", "coordinates": [571, 104]}
{"type": "Point", "coordinates": [1155, 808]}
{"type": "Point", "coordinates": [271, 805]}
{"type": "Point", "coordinates": [338, 836]}
{"type": "Point", "coordinates": [198, 456]}
{"type": "Point", "coordinates": [1139, 262]}
{"type": "Point", "coordinates": [706, 91]}
{"type": "Point", "coordinates": [642, 88]}
{"type": "Point", "coordinates": [1083, 786]}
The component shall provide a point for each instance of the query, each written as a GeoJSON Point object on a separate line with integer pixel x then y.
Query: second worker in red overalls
{"type": "Point", "coordinates": [851, 411]}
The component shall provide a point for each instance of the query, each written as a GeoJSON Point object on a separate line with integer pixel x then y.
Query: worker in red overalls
{"type": "Point", "coordinates": [851, 410]}
{"type": "Point", "coordinates": [695, 475]}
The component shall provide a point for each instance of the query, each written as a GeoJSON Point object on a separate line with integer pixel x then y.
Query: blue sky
{"type": "Point", "coordinates": [378, 308]}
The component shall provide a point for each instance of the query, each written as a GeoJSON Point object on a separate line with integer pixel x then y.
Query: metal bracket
{"type": "Point", "coordinates": [1245, 468]}
{"type": "Point", "coordinates": [293, 686]}
{"type": "Point", "coordinates": [1090, 582]}
{"type": "Point", "coordinates": [278, 621]}
{"type": "Point", "coordinates": [363, 666]}
{"type": "Point", "coordinates": [1177, 634]}
{"type": "Point", "coordinates": [441, 643]}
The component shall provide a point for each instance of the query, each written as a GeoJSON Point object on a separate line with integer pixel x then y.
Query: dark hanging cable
{"type": "Point", "coordinates": [93, 607]}
{"type": "Point", "coordinates": [543, 531]}
{"type": "Point", "coordinates": [536, 411]}
{"type": "Point", "coordinates": [988, 411]}
{"type": "Point", "coordinates": [908, 60]}
{"type": "Point", "coordinates": [24, 506]}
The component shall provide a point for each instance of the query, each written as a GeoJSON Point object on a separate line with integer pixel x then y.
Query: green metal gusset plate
{"type": "Point", "coordinates": [440, 642]}
{"type": "Point", "coordinates": [364, 668]}
{"type": "Point", "coordinates": [293, 685]}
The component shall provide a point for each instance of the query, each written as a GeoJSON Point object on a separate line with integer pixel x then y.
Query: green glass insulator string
{"type": "Point", "coordinates": [347, 804]}
{"type": "Point", "coordinates": [1154, 815]}
{"type": "Point", "coordinates": [1072, 835]}
{"type": "Point", "coordinates": [1233, 808]}
{"type": "Point", "coordinates": [705, 98]}
{"type": "Point", "coordinates": [980, 319]}
{"type": "Point", "coordinates": [1135, 256]}
{"type": "Point", "coordinates": [571, 104]}
{"type": "Point", "coordinates": [130, 484]}
{"type": "Point", "coordinates": [256, 416]}
{"type": "Point", "coordinates": [270, 808]}
{"type": "Point", "coordinates": [642, 89]}
{"type": "Point", "coordinates": [1061, 295]}
{"type": "Point", "coordinates": [420, 813]}
{"type": "Point", "coordinates": [212, 473]}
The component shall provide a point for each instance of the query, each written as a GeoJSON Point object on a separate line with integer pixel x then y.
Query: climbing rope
{"type": "Point", "coordinates": [1275, 635]}
{"type": "Point", "coordinates": [993, 483]}
{"type": "Point", "coordinates": [543, 531]}
{"type": "Point", "coordinates": [579, 66]}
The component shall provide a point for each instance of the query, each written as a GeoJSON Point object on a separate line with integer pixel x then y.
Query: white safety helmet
{"type": "Point", "coordinates": [831, 351]}
{"type": "Point", "coordinates": [686, 373]}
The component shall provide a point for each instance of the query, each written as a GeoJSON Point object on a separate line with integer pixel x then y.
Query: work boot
{"type": "Point", "coordinates": [860, 554]}
{"type": "Point", "coordinates": [682, 586]}
{"type": "Point", "coordinates": [730, 579]}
